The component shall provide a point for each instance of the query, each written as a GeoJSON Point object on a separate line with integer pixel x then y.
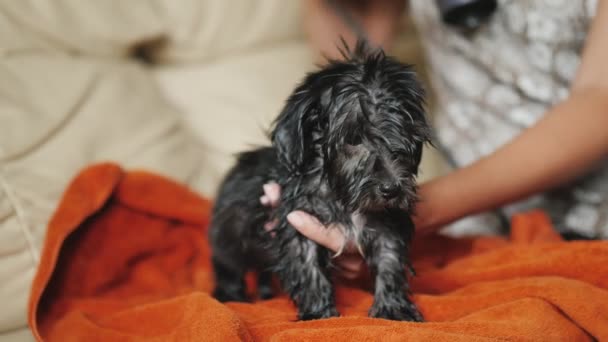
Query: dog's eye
{"type": "Point", "coordinates": [353, 140]}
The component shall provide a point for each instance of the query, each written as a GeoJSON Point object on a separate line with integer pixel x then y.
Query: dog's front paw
{"type": "Point", "coordinates": [407, 312]}
{"type": "Point", "coordinates": [309, 315]}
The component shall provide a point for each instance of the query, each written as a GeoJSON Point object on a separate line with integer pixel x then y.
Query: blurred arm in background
{"type": "Point", "coordinates": [324, 27]}
{"type": "Point", "coordinates": [570, 139]}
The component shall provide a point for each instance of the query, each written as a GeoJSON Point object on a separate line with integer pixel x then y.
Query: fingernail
{"type": "Point", "coordinates": [295, 218]}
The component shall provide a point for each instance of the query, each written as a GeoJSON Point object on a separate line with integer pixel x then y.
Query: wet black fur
{"type": "Point", "coordinates": [345, 131]}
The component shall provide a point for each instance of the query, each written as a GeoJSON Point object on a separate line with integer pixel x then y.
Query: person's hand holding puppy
{"type": "Point", "coordinates": [350, 263]}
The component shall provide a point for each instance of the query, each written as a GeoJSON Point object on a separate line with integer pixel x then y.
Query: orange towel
{"type": "Point", "coordinates": [125, 258]}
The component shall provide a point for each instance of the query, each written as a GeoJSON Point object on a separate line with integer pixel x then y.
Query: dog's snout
{"type": "Point", "coordinates": [389, 189]}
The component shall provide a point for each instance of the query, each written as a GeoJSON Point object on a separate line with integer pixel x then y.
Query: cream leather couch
{"type": "Point", "coordinates": [71, 93]}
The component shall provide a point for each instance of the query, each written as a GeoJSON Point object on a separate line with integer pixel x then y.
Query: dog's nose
{"type": "Point", "coordinates": [389, 189]}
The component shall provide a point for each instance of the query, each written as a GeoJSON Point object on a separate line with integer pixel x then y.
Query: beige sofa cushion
{"type": "Point", "coordinates": [194, 30]}
{"type": "Point", "coordinates": [70, 96]}
{"type": "Point", "coordinates": [231, 103]}
{"type": "Point", "coordinates": [59, 114]}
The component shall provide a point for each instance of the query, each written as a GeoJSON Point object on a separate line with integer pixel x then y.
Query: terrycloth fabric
{"type": "Point", "coordinates": [125, 258]}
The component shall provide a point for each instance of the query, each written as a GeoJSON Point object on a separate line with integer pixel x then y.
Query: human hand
{"type": "Point", "coordinates": [349, 263]}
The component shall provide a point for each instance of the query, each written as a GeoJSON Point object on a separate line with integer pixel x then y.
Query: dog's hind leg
{"type": "Point", "coordinates": [265, 285]}
{"type": "Point", "coordinates": [229, 278]}
{"type": "Point", "coordinates": [229, 261]}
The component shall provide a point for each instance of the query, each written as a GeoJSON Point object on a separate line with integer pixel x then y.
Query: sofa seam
{"type": "Point", "coordinates": [21, 217]}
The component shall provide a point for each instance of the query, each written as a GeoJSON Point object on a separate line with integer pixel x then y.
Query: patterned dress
{"type": "Point", "coordinates": [501, 79]}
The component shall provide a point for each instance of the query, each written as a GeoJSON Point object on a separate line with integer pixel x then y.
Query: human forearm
{"type": "Point", "coordinates": [564, 144]}
{"type": "Point", "coordinates": [379, 19]}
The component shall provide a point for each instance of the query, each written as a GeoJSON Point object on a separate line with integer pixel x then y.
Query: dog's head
{"type": "Point", "coordinates": [360, 123]}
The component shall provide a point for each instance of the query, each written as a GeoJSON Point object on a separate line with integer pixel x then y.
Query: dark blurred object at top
{"type": "Point", "coordinates": [466, 15]}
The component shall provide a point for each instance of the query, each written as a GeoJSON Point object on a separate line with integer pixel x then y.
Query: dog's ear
{"type": "Point", "coordinates": [418, 155]}
{"type": "Point", "coordinates": [424, 136]}
{"type": "Point", "coordinates": [413, 102]}
{"type": "Point", "coordinates": [292, 134]}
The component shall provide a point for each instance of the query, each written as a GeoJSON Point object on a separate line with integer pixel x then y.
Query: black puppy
{"type": "Point", "coordinates": [346, 149]}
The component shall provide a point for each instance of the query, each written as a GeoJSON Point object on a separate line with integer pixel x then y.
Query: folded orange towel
{"type": "Point", "coordinates": [126, 258]}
